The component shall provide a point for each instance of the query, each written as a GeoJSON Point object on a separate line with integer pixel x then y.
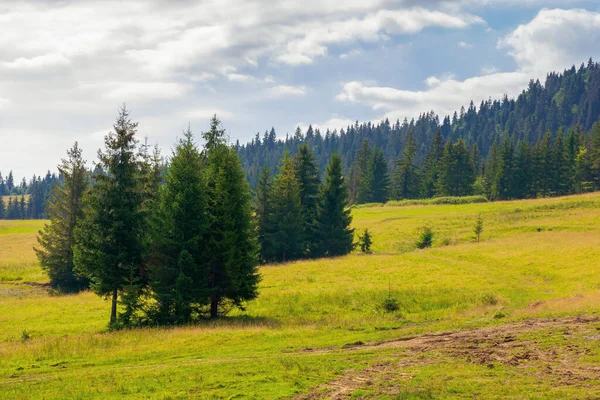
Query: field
{"type": "Point", "coordinates": [514, 316]}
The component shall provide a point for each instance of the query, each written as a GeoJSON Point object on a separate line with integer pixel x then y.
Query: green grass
{"type": "Point", "coordinates": [537, 258]}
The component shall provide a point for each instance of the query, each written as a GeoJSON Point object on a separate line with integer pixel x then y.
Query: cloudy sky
{"type": "Point", "coordinates": [66, 66]}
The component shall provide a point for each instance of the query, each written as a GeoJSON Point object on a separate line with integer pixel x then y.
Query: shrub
{"type": "Point", "coordinates": [425, 239]}
{"type": "Point", "coordinates": [365, 242]}
{"type": "Point", "coordinates": [490, 299]}
{"type": "Point", "coordinates": [478, 229]}
{"type": "Point", "coordinates": [390, 304]}
{"type": "Point", "coordinates": [25, 336]}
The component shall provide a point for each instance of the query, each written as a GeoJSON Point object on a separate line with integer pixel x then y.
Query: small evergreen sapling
{"type": "Point", "coordinates": [478, 229]}
{"type": "Point", "coordinates": [425, 239]}
{"type": "Point", "coordinates": [365, 242]}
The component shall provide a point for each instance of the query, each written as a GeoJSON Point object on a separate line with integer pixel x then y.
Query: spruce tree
{"type": "Point", "coordinates": [262, 214]}
{"type": "Point", "coordinates": [287, 236]}
{"type": "Point", "coordinates": [406, 177]}
{"type": "Point", "coordinates": [364, 173]}
{"type": "Point", "coordinates": [431, 165]}
{"type": "Point", "coordinates": [110, 239]}
{"type": "Point", "coordinates": [381, 178]}
{"type": "Point", "coordinates": [334, 232]}
{"type": "Point", "coordinates": [65, 209]}
{"type": "Point", "coordinates": [307, 173]}
{"type": "Point", "coordinates": [457, 172]}
{"type": "Point", "coordinates": [231, 245]}
{"type": "Point", "coordinates": [178, 275]}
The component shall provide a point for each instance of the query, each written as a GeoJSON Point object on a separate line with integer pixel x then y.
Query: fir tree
{"type": "Point", "coordinates": [231, 246]}
{"type": "Point", "coordinates": [110, 239]}
{"type": "Point", "coordinates": [307, 173]}
{"type": "Point", "coordinates": [65, 210]}
{"type": "Point", "coordinates": [406, 176]}
{"type": "Point", "coordinates": [286, 219]}
{"type": "Point", "coordinates": [262, 214]}
{"type": "Point", "coordinates": [178, 275]}
{"type": "Point", "coordinates": [381, 178]}
{"type": "Point", "coordinates": [334, 219]}
{"type": "Point", "coordinates": [431, 165]}
{"type": "Point", "coordinates": [364, 174]}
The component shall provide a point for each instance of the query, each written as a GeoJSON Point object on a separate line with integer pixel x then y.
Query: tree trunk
{"type": "Point", "coordinates": [214, 307]}
{"type": "Point", "coordinates": [113, 310]}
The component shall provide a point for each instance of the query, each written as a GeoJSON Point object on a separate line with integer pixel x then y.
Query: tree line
{"type": "Point", "coordinates": [555, 165]}
{"type": "Point", "coordinates": [565, 100]}
{"type": "Point", "coordinates": [173, 242]}
{"type": "Point", "coordinates": [297, 215]}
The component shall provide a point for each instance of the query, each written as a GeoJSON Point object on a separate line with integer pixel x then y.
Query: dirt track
{"type": "Point", "coordinates": [484, 346]}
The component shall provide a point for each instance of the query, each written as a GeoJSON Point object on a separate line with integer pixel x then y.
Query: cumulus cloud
{"type": "Point", "coordinates": [464, 45]}
{"type": "Point", "coordinates": [286, 90]}
{"type": "Point", "coordinates": [553, 40]}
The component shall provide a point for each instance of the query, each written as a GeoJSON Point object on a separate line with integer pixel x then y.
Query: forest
{"type": "Point", "coordinates": [178, 241]}
{"type": "Point", "coordinates": [546, 142]}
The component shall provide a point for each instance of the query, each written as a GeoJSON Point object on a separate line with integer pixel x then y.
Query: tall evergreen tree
{"type": "Point", "coordinates": [287, 220]}
{"type": "Point", "coordinates": [456, 171]}
{"type": "Point", "coordinates": [334, 219]}
{"type": "Point", "coordinates": [262, 214]}
{"type": "Point", "coordinates": [381, 178]}
{"type": "Point", "coordinates": [231, 246]}
{"type": "Point", "coordinates": [110, 239]}
{"type": "Point", "coordinates": [595, 154]}
{"type": "Point", "coordinates": [307, 173]}
{"type": "Point", "coordinates": [406, 177]}
{"type": "Point", "coordinates": [65, 210]}
{"type": "Point", "coordinates": [364, 173]}
{"type": "Point", "coordinates": [431, 165]}
{"type": "Point", "coordinates": [178, 275]}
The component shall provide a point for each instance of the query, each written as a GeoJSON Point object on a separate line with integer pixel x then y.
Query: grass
{"type": "Point", "coordinates": [537, 259]}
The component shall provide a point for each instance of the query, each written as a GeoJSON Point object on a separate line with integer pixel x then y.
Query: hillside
{"type": "Point", "coordinates": [512, 316]}
{"type": "Point", "coordinates": [565, 100]}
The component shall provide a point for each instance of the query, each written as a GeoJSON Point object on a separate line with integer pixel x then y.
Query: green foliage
{"type": "Point", "coordinates": [364, 242]}
{"type": "Point", "coordinates": [263, 204]}
{"type": "Point", "coordinates": [178, 276]}
{"type": "Point", "coordinates": [478, 228]}
{"type": "Point", "coordinates": [286, 220]}
{"type": "Point", "coordinates": [407, 183]}
{"type": "Point", "coordinates": [65, 210]}
{"type": "Point", "coordinates": [425, 238]}
{"type": "Point", "coordinates": [307, 174]}
{"type": "Point", "coordinates": [335, 236]}
{"type": "Point", "coordinates": [110, 240]}
{"type": "Point", "coordinates": [439, 200]}
{"type": "Point", "coordinates": [231, 246]}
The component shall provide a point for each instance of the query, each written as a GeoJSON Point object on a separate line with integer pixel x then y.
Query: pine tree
{"type": "Point", "coordinates": [110, 239]}
{"type": "Point", "coordinates": [286, 219]}
{"type": "Point", "coordinates": [262, 214]}
{"type": "Point", "coordinates": [431, 165]}
{"type": "Point", "coordinates": [10, 183]}
{"type": "Point", "coordinates": [364, 173]}
{"type": "Point", "coordinates": [307, 173]}
{"type": "Point", "coordinates": [381, 178]}
{"type": "Point", "coordinates": [406, 177]}
{"type": "Point", "coordinates": [231, 246]}
{"type": "Point", "coordinates": [22, 207]}
{"type": "Point", "coordinates": [365, 242]}
{"type": "Point", "coordinates": [523, 171]}
{"type": "Point", "coordinates": [457, 174]}
{"type": "Point", "coordinates": [334, 219]}
{"type": "Point", "coordinates": [65, 210]}
{"type": "Point", "coordinates": [178, 276]}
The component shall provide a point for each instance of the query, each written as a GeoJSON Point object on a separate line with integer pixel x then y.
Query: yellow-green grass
{"type": "Point", "coordinates": [17, 258]}
{"type": "Point", "coordinates": [537, 258]}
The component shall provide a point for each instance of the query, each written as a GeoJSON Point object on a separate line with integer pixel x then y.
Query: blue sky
{"type": "Point", "coordinates": [65, 67]}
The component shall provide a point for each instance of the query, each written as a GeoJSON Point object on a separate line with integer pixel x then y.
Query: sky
{"type": "Point", "coordinates": [67, 66]}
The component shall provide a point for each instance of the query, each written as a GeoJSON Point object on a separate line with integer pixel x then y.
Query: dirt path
{"type": "Point", "coordinates": [484, 346]}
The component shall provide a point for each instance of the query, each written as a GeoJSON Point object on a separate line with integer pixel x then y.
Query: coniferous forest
{"type": "Point", "coordinates": [170, 242]}
{"type": "Point", "coordinates": [545, 142]}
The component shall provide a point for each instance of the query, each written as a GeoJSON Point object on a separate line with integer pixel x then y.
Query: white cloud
{"type": "Point", "coordinates": [204, 114]}
{"type": "Point", "coordinates": [464, 45]}
{"type": "Point", "coordinates": [350, 54]}
{"type": "Point", "coordinates": [36, 63]}
{"type": "Point", "coordinates": [126, 91]}
{"type": "Point", "coordinates": [552, 41]}
{"type": "Point", "coordinates": [286, 90]}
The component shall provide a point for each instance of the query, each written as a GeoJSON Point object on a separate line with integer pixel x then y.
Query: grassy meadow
{"type": "Point", "coordinates": [319, 329]}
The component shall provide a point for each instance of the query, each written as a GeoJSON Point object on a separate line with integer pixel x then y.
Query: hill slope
{"type": "Point", "coordinates": [512, 316]}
